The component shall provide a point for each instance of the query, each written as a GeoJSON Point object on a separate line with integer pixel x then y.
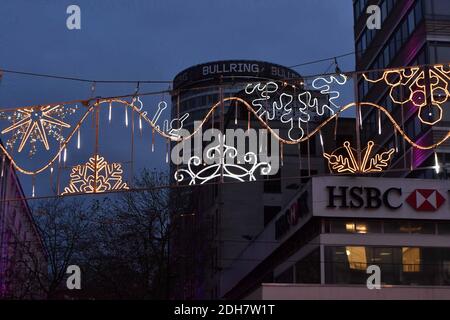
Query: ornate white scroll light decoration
{"type": "Point", "coordinates": [220, 155]}
{"type": "Point", "coordinates": [296, 114]}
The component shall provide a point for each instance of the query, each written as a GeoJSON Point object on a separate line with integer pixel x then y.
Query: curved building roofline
{"type": "Point", "coordinates": [230, 70]}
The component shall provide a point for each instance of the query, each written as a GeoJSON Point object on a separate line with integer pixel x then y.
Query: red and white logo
{"type": "Point", "coordinates": [425, 200]}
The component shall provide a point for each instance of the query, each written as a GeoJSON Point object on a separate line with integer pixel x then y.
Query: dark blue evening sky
{"type": "Point", "coordinates": [149, 39]}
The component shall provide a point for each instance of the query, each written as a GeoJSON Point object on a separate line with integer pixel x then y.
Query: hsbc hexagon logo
{"type": "Point", "coordinates": [425, 200]}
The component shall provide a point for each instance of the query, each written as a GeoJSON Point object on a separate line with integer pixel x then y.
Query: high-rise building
{"type": "Point", "coordinates": [226, 217]}
{"type": "Point", "coordinates": [336, 232]}
{"type": "Point", "coordinates": [412, 33]}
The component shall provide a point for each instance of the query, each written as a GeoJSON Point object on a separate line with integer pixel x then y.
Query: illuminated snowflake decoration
{"type": "Point", "coordinates": [344, 159]}
{"type": "Point", "coordinates": [96, 176]}
{"type": "Point", "coordinates": [36, 124]}
{"type": "Point", "coordinates": [222, 155]}
{"type": "Point", "coordinates": [270, 104]}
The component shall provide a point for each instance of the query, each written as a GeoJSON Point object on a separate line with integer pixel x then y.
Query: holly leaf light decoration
{"type": "Point", "coordinates": [345, 159]}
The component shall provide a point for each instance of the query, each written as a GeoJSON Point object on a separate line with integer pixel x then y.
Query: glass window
{"type": "Point", "coordinates": [411, 259]}
{"type": "Point", "coordinates": [409, 227]}
{"type": "Point", "coordinates": [417, 126]}
{"type": "Point", "coordinates": [411, 22]}
{"type": "Point", "coordinates": [400, 265]}
{"type": "Point", "coordinates": [398, 39]}
{"type": "Point", "coordinates": [418, 12]}
{"type": "Point", "coordinates": [384, 10]}
{"type": "Point", "coordinates": [386, 56]}
{"type": "Point", "coordinates": [392, 50]}
{"type": "Point", "coordinates": [396, 226]}
{"type": "Point", "coordinates": [422, 227]}
{"type": "Point", "coordinates": [363, 43]}
{"type": "Point", "coordinates": [389, 103]}
{"type": "Point", "coordinates": [352, 226]}
{"type": "Point", "coordinates": [390, 4]}
{"type": "Point", "coordinates": [405, 33]}
{"type": "Point", "coordinates": [357, 257]}
{"type": "Point", "coordinates": [444, 228]}
{"type": "Point", "coordinates": [356, 9]}
{"type": "Point", "coordinates": [381, 64]}
{"type": "Point", "coordinates": [307, 270]}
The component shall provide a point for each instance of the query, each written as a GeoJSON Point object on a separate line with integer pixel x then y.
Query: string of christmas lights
{"type": "Point", "coordinates": [34, 124]}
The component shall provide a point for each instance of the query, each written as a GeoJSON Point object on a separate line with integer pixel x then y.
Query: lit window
{"type": "Point", "coordinates": [356, 227]}
{"type": "Point", "coordinates": [356, 257]}
{"type": "Point", "coordinates": [350, 227]}
{"type": "Point", "coordinates": [361, 228]}
{"type": "Point", "coordinates": [411, 259]}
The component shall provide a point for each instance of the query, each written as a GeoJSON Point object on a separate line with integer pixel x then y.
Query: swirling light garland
{"type": "Point", "coordinates": [178, 138]}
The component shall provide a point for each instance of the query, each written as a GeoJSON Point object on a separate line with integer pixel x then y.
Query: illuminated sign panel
{"type": "Point", "coordinates": [380, 198]}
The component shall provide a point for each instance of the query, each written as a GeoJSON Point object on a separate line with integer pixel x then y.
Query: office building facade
{"type": "Point", "coordinates": [412, 33]}
{"type": "Point", "coordinates": [321, 244]}
{"type": "Point", "coordinates": [227, 216]}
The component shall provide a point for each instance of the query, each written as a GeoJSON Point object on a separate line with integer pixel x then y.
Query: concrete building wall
{"type": "Point", "coordinates": [279, 291]}
{"type": "Point", "coordinates": [21, 247]}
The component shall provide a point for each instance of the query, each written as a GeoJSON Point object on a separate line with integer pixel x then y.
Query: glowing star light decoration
{"type": "Point", "coordinates": [344, 159]}
{"type": "Point", "coordinates": [96, 176]}
{"type": "Point", "coordinates": [36, 124]}
{"type": "Point", "coordinates": [221, 155]}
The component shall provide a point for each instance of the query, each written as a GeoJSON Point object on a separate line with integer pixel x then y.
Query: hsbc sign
{"type": "Point", "coordinates": [362, 197]}
{"type": "Point", "coordinates": [425, 200]}
{"type": "Point", "coordinates": [381, 197]}
{"type": "Point", "coordinates": [373, 198]}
